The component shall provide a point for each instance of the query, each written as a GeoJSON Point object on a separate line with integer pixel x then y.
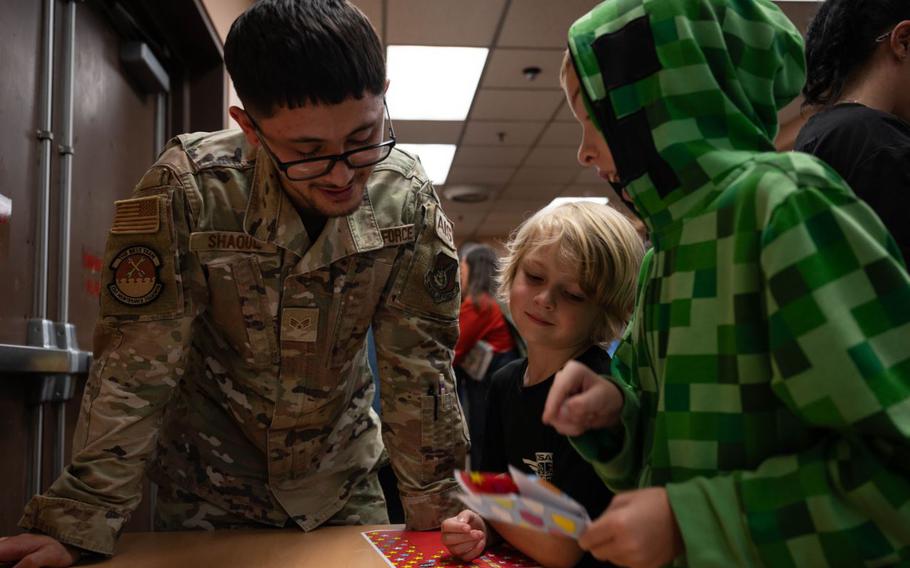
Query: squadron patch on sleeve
{"type": "Point", "coordinates": [141, 256]}
{"type": "Point", "coordinates": [441, 279]}
{"type": "Point", "coordinates": [137, 279]}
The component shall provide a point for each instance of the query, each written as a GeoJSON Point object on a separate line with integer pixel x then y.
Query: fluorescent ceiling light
{"type": "Point", "coordinates": [436, 159]}
{"type": "Point", "coordinates": [432, 83]}
{"type": "Point", "coordinates": [563, 200]}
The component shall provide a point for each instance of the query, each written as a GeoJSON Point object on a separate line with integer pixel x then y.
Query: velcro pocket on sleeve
{"type": "Point", "coordinates": [429, 285]}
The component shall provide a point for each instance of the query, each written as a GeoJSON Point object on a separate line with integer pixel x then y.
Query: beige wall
{"type": "Point", "coordinates": [223, 13]}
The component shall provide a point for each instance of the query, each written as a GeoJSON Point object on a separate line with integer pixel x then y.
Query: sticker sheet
{"type": "Point", "coordinates": [424, 549]}
{"type": "Point", "coordinates": [524, 500]}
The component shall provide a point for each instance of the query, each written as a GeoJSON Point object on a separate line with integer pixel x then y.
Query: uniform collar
{"type": "Point", "coordinates": [271, 217]}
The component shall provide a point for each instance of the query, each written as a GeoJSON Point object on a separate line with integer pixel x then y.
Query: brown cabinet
{"type": "Point", "coordinates": [114, 142]}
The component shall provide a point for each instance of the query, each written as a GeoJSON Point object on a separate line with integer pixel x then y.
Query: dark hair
{"type": "Point", "coordinates": [841, 38]}
{"type": "Point", "coordinates": [296, 52]}
{"type": "Point", "coordinates": [482, 266]}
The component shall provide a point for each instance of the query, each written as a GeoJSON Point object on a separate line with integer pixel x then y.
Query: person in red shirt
{"type": "Point", "coordinates": [480, 320]}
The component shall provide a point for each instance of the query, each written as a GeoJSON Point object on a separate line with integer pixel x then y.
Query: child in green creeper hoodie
{"type": "Point", "coordinates": [758, 409]}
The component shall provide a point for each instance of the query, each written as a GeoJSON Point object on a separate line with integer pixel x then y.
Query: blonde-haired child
{"type": "Point", "coordinates": [569, 279]}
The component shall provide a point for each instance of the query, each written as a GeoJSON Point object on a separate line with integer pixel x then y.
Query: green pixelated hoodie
{"type": "Point", "coordinates": [767, 370]}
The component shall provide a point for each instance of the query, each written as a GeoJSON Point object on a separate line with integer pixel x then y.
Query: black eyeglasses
{"type": "Point", "coordinates": [311, 168]}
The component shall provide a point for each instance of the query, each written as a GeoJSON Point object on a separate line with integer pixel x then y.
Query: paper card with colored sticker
{"type": "Point", "coordinates": [538, 507]}
{"type": "Point", "coordinates": [472, 482]}
{"type": "Point", "coordinates": [413, 549]}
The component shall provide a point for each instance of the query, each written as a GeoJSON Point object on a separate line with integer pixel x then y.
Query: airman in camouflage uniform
{"type": "Point", "coordinates": [230, 356]}
{"type": "Point", "coordinates": [248, 368]}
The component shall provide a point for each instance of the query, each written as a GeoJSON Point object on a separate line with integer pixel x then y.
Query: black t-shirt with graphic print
{"type": "Point", "coordinates": [516, 436]}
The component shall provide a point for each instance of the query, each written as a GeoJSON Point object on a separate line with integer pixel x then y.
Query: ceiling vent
{"type": "Point", "coordinates": [466, 193]}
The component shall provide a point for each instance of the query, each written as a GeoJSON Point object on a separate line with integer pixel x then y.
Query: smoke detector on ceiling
{"type": "Point", "coordinates": [532, 72]}
{"type": "Point", "coordinates": [466, 193]}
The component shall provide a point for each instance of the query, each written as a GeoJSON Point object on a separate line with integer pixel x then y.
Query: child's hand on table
{"type": "Point", "coordinates": [465, 535]}
{"type": "Point", "coordinates": [638, 529]}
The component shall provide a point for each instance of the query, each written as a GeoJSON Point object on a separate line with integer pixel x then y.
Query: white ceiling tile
{"type": "Point", "coordinates": [588, 176]}
{"type": "Point", "coordinates": [553, 156]}
{"type": "Point", "coordinates": [428, 131]}
{"type": "Point", "coordinates": [588, 190]}
{"type": "Point", "coordinates": [541, 23]}
{"type": "Point", "coordinates": [496, 104]}
{"type": "Point", "coordinates": [438, 22]}
{"type": "Point", "coordinates": [373, 11]}
{"type": "Point", "coordinates": [504, 68]}
{"type": "Point", "coordinates": [478, 194]}
{"type": "Point", "coordinates": [530, 191]}
{"type": "Point", "coordinates": [465, 217]}
{"type": "Point", "coordinates": [482, 175]}
{"type": "Point", "coordinates": [551, 175]}
{"type": "Point", "coordinates": [513, 133]}
{"type": "Point", "coordinates": [502, 222]}
{"type": "Point", "coordinates": [602, 190]}
{"type": "Point", "coordinates": [565, 114]}
{"type": "Point", "coordinates": [490, 155]}
{"type": "Point", "coordinates": [519, 208]}
{"type": "Point", "coordinates": [454, 209]}
{"type": "Point", "coordinates": [528, 205]}
{"type": "Point", "coordinates": [524, 206]}
{"type": "Point", "coordinates": [512, 216]}
{"type": "Point", "coordinates": [561, 134]}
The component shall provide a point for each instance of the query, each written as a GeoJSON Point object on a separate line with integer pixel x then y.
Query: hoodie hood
{"type": "Point", "coordinates": [685, 92]}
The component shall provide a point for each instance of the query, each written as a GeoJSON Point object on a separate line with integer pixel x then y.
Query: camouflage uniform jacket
{"type": "Point", "coordinates": [231, 356]}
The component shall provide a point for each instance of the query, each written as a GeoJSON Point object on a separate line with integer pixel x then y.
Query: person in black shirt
{"type": "Point", "coordinates": [858, 63]}
{"type": "Point", "coordinates": [534, 447]}
{"type": "Point", "coordinates": [569, 280]}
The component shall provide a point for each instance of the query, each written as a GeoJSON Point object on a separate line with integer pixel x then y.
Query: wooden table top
{"type": "Point", "coordinates": [329, 547]}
